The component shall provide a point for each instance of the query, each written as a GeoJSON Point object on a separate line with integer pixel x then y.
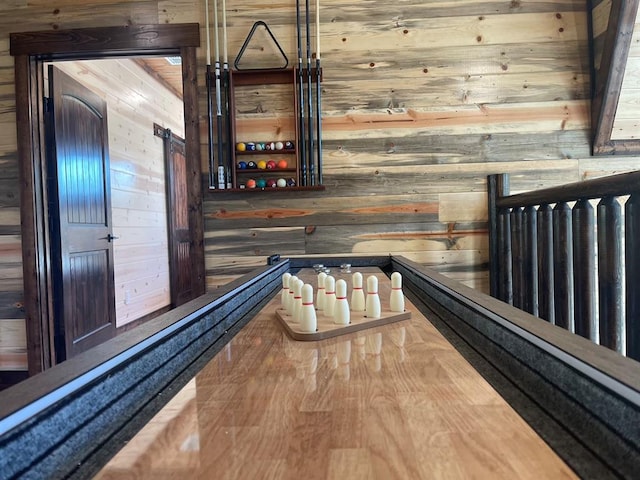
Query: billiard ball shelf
{"type": "Point", "coordinates": [270, 189]}
{"type": "Point", "coordinates": [256, 150]}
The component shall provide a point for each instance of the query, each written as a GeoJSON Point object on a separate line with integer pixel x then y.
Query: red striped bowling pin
{"type": "Point", "coordinates": [320, 294]}
{"type": "Point", "coordinates": [373, 308]}
{"type": "Point", "coordinates": [341, 314]}
{"type": "Point", "coordinates": [396, 300]}
{"type": "Point", "coordinates": [308, 319]}
{"type": "Point", "coordinates": [329, 296]}
{"type": "Point", "coordinates": [357, 294]}
{"type": "Point", "coordinates": [297, 300]}
{"type": "Point", "coordinates": [285, 289]}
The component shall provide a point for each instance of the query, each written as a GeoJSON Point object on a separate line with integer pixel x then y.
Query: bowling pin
{"type": "Point", "coordinates": [285, 290]}
{"type": "Point", "coordinates": [297, 300]}
{"type": "Point", "coordinates": [290, 301]}
{"type": "Point", "coordinates": [372, 307]}
{"type": "Point", "coordinates": [308, 319]}
{"type": "Point", "coordinates": [396, 300]}
{"type": "Point", "coordinates": [329, 296]}
{"type": "Point", "coordinates": [357, 294]}
{"type": "Point", "coordinates": [320, 293]}
{"type": "Point", "coordinates": [341, 314]}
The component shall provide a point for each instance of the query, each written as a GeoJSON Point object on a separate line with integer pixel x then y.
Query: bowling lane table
{"type": "Point", "coordinates": [395, 401]}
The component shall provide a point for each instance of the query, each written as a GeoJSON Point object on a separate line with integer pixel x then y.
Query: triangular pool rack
{"type": "Point", "coordinates": [255, 27]}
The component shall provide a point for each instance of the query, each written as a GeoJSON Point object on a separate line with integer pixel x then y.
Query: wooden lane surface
{"type": "Point", "coordinates": [396, 401]}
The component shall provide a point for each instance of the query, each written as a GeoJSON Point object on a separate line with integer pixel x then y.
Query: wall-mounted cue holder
{"type": "Point", "coordinates": [292, 161]}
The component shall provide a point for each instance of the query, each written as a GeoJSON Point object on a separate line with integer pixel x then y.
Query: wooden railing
{"type": "Point", "coordinates": [555, 257]}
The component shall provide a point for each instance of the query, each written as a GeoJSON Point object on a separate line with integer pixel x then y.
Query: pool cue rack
{"type": "Point", "coordinates": [294, 172]}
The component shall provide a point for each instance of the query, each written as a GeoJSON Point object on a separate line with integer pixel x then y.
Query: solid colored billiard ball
{"type": "Point", "coordinates": [282, 164]}
{"type": "Point", "coordinates": [242, 165]}
{"type": "Point", "coordinates": [251, 183]}
{"type": "Point", "coordinates": [261, 183]}
{"type": "Point", "coordinates": [271, 165]}
{"type": "Point", "coordinates": [252, 164]}
{"type": "Point", "coordinates": [271, 183]}
{"type": "Point", "coordinates": [241, 146]}
{"type": "Point", "coordinates": [262, 164]}
{"type": "Point", "coordinates": [288, 145]}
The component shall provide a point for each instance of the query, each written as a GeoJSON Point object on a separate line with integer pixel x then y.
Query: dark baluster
{"type": "Point", "coordinates": [584, 269]}
{"type": "Point", "coordinates": [563, 263]}
{"type": "Point", "coordinates": [517, 240]}
{"type": "Point", "coordinates": [632, 268]}
{"type": "Point", "coordinates": [530, 263]}
{"type": "Point", "coordinates": [610, 273]}
{"type": "Point", "coordinates": [545, 263]}
{"type": "Point", "coordinates": [505, 285]}
{"type": "Point", "coordinates": [497, 187]}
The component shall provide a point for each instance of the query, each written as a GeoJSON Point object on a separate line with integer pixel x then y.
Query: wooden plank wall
{"type": "Point", "coordinates": [421, 100]}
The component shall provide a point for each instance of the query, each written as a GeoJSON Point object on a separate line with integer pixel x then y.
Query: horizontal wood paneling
{"type": "Point", "coordinates": [420, 102]}
{"type": "Point", "coordinates": [13, 344]}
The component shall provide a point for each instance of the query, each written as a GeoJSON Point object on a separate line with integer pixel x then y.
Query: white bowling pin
{"type": "Point", "coordinates": [329, 296]}
{"type": "Point", "coordinates": [320, 293]}
{"type": "Point", "coordinates": [290, 301]}
{"type": "Point", "coordinates": [341, 314]}
{"type": "Point", "coordinates": [285, 289]}
{"type": "Point", "coordinates": [308, 319]}
{"type": "Point", "coordinates": [297, 300]}
{"type": "Point", "coordinates": [357, 294]}
{"type": "Point", "coordinates": [372, 308]}
{"type": "Point", "coordinates": [396, 300]}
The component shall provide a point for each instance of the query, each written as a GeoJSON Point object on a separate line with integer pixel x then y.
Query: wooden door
{"type": "Point", "coordinates": [178, 217]}
{"type": "Point", "coordinates": [80, 214]}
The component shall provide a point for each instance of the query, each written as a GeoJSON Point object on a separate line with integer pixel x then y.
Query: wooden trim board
{"type": "Point", "coordinates": [326, 327]}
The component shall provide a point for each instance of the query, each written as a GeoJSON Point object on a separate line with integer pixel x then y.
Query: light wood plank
{"type": "Point", "coordinates": [396, 401]}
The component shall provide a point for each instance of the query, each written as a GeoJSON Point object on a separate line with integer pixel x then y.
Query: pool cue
{"type": "Point", "coordinates": [312, 179]}
{"type": "Point", "coordinates": [221, 181]}
{"type": "Point", "coordinates": [301, 127]}
{"type": "Point", "coordinates": [227, 92]}
{"type": "Point", "coordinates": [318, 96]}
{"type": "Point", "coordinates": [212, 167]}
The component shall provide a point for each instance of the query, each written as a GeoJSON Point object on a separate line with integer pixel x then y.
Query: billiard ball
{"type": "Point", "coordinates": [242, 165]}
{"type": "Point", "coordinates": [251, 183]}
{"type": "Point", "coordinates": [252, 164]}
{"type": "Point", "coordinates": [271, 183]}
{"type": "Point", "coordinates": [271, 165]}
{"type": "Point", "coordinates": [282, 164]}
{"type": "Point", "coordinates": [281, 182]}
{"type": "Point", "coordinates": [262, 164]}
{"type": "Point", "coordinates": [241, 146]}
{"type": "Point", "coordinates": [261, 183]}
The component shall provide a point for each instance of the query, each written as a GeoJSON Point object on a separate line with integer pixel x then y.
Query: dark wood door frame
{"type": "Point", "coordinates": [31, 50]}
